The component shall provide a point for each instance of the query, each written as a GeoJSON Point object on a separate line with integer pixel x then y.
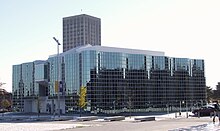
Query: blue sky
{"type": "Point", "coordinates": [180, 28]}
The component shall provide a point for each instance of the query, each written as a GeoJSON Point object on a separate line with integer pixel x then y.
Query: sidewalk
{"type": "Point", "coordinates": [166, 122]}
{"type": "Point", "coordinates": [162, 123]}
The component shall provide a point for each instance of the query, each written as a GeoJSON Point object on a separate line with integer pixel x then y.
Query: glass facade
{"type": "Point", "coordinates": [41, 73]}
{"type": "Point", "coordinates": [113, 79]}
{"type": "Point", "coordinates": [27, 80]}
{"type": "Point", "coordinates": [120, 79]}
{"type": "Point", "coordinates": [16, 87]}
{"type": "Point", "coordinates": [23, 83]}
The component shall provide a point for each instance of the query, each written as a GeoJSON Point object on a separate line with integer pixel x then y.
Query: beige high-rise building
{"type": "Point", "coordinates": [81, 30]}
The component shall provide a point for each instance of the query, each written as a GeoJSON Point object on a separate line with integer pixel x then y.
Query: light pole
{"type": "Point", "coordinates": [114, 106]}
{"type": "Point", "coordinates": [186, 110]}
{"type": "Point", "coordinates": [21, 95]}
{"type": "Point", "coordinates": [181, 102]}
{"type": "Point", "coordinates": [71, 101]}
{"type": "Point", "coordinates": [58, 94]}
{"type": "Point", "coordinates": [167, 105]}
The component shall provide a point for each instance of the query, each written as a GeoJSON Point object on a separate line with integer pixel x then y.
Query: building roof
{"type": "Point", "coordinates": [81, 15]}
{"type": "Point", "coordinates": [112, 49]}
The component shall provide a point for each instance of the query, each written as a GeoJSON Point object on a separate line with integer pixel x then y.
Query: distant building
{"type": "Point", "coordinates": [81, 30]}
{"type": "Point", "coordinates": [117, 79]}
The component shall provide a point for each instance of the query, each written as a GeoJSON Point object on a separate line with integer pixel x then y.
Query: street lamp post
{"type": "Point", "coordinates": [181, 102]}
{"type": "Point", "coordinates": [186, 110]}
{"type": "Point", "coordinates": [58, 94]}
{"type": "Point", "coordinates": [167, 105]}
{"type": "Point", "coordinates": [20, 95]}
{"type": "Point", "coordinates": [72, 101]}
{"type": "Point", "coordinates": [114, 106]}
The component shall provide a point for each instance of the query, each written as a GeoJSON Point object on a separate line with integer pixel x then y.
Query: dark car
{"type": "Point", "coordinates": [204, 110]}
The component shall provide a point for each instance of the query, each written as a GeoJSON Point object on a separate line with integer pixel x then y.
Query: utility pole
{"type": "Point", "coordinates": [58, 94]}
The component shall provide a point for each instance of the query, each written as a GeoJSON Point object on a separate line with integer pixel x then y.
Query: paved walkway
{"type": "Point", "coordinates": [162, 123]}
{"type": "Point", "coordinates": [177, 124]}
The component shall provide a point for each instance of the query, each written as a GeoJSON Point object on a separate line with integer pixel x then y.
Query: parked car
{"type": "Point", "coordinates": [205, 110]}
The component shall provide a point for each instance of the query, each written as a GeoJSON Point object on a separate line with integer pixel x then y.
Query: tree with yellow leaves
{"type": "Point", "coordinates": [5, 104]}
{"type": "Point", "coordinates": [82, 97]}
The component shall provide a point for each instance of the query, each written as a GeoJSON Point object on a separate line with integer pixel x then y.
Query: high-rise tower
{"type": "Point", "coordinates": [81, 30]}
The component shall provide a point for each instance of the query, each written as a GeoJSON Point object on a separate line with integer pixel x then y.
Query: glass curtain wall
{"type": "Point", "coordinates": [120, 82]}
{"type": "Point", "coordinates": [16, 80]}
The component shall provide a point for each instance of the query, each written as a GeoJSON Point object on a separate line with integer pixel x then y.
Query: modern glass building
{"type": "Point", "coordinates": [117, 80]}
